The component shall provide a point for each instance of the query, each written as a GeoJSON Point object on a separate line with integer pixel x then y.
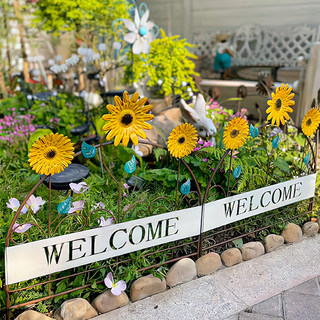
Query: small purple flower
{"type": "Point", "coordinates": [79, 187]}
{"type": "Point", "coordinates": [197, 149]}
{"type": "Point", "coordinates": [14, 204]}
{"type": "Point", "coordinates": [200, 142]}
{"type": "Point", "coordinates": [126, 186]}
{"type": "Point", "coordinates": [116, 288]}
{"type": "Point", "coordinates": [124, 194]}
{"type": "Point", "coordinates": [205, 159]}
{"type": "Point", "coordinates": [137, 151]}
{"type": "Point", "coordinates": [20, 228]}
{"type": "Point", "coordinates": [207, 144]}
{"type": "Point", "coordinates": [35, 203]}
{"type": "Point", "coordinates": [99, 205]}
{"type": "Point", "coordinates": [103, 222]}
{"type": "Point", "coordinates": [77, 206]}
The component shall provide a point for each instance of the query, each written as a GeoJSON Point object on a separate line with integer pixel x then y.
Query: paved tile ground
{"type": "Point", "coordinates": [281, 285]}
{"type": "Point", "coordinates": [298, 303]}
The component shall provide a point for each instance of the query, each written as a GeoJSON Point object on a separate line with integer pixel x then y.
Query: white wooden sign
{"type": "Point", "coordinates": [43, 257]}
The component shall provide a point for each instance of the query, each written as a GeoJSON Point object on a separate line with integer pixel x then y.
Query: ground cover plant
{"type": "Point", "coordinates": [266, 155]}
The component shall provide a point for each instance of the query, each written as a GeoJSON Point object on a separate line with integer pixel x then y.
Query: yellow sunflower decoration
{"type": "Point", "coordinates": [280, 105]}
{"type": "Point", "coordinates": [127, 119]}
{"type": "Point", "coordinates": [182, 140]}
{"type": "Point", "coordinates": [310, 122]}
{"type": "Point", "coordinates": [235, 133]}
{"type": "Point", "coordinates": [51, 154]}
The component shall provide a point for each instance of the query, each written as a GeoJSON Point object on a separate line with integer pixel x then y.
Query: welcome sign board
{"type": "Point", "coordinates": [56, 254]}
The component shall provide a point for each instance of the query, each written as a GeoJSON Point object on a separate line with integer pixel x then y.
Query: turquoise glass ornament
{"type": "Point", "coordinates": [185, 188]}
{"type": "Point", "coordinates": [306, 160]}
{"type": "Point", "coordinates": [88, 151]}
{"type": "Point", "coordinates": [254, 132]}
{"type": "Point", "coordinates": [131, 165]}
{"type": "Point", "coordinates": [64, 206]}
{"type": "Point", "coordinates": [237, 171]}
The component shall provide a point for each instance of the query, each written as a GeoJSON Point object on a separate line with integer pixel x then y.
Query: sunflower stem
{"type": "Point", "coordinates": [304, 147]}
{"type": "Point", "coordinates": [177, 188]}
{"type": "Point", "coordinates": [49, 205]}
{"type": "Point", "coordinates": [268, 156]}
{"type": "Point", "coordinates": [229, 173]}
{"type": "Point", "coordinates": [119, 190]}
{"type": "Point", "coordinates": [49, 289]}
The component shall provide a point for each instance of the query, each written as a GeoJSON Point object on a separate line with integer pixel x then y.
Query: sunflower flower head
{"type": "Point", "coordinates": [235, 133]}
{"type": "Point", "coordinates": [51, 154]}
{"type": "Point", "coordinates": [280, 105]}
{"type": "Point", "coordinates": [127, 119]}
{"type": "Point", "coordinates": [182, 140]}
{"type": "Point", "coordinates": [310, 122]}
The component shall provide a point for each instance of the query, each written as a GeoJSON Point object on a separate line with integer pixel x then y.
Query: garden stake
{"type": "Point", "coordinates": [49, 205]}
{"type": "Point", "coordinates": [119, 190]}
{"type": "Point", "coordinates": [177, 188]}
{"type": "Point", "coordinates": [229, 173]}
{"type": "Point", "coordinates": [100, 158]}
{"type": "Point", "coordinates": [194, 179]}
{"type": "Point", "coordinates": [50, 284]}
{"type": "Point", "coordinates": [204, 201]}
{"type": "Point", "coordinates": [9, 233]}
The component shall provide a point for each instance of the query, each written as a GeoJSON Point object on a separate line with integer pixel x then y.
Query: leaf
{"type": "Point", "coordinates": [306, 160]}
{"type": "Point", "coordinates": [88, 151]}
{"type": "Point", "coordinates": [36, 135]}
{"type": "Point", "coordinates": [130, 166]}
{"type": "Point", "coordinates": [94, 285]}
{"type": "Point", "coordinates": [158, 152]}
{"type": "Point", "coordinates": [237, 171]}
{"type": "Point", "coordinates": [78, 281]}
{"type": "Point", "coordinates": [275, 142]}
{"type": "Point", "coordinates": [281, 164]}
{"type": "Point", "coordinates": [234, 99]}
{"type": "Point", "coordinates": [254, 132]}
{"type": "Point", "coordinates": [238, 243]}
{"type": "Point", "coordinates": [185, 188]}
{"type": "Point", "coordinates": [61, 287]}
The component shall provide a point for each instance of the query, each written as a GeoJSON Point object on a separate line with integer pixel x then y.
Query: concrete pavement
{"type": "Point", "coordinates": [262, 287]}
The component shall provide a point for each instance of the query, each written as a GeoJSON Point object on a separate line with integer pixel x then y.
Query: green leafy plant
{"type": "Point", "coordinates": [169, 63]}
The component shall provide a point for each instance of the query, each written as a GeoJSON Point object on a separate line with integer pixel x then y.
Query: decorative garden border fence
{"type": "Point", "coordinates": [202, 227]}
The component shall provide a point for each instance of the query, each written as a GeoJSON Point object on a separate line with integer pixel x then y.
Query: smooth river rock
{"type": "Point", "coordinates": [231, 256]}
{"type": "Point", "coordinates": [208, 263]}
{"type": "Point", "coordinates": [252, 250]}
{"type": "Point", "coordinates": [292, 233]}
{"type": "Point", "coordinates": [310, 228]}
{"type": "Point", "coordinates": [146, 287]}
{"type": "Point", "coordinates": [107, 301]}
{"type": "Point", "coordinates": [75, 309]}
{"type": "Point", "coordinates": [273, 242]}
{"type": "Point", "coordinates": [32, 315]}
{"type": "Point", "coordinates": [182, 271]}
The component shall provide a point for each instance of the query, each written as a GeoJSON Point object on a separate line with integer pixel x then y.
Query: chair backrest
{"type": "Point", "coordinates": [259, 46]}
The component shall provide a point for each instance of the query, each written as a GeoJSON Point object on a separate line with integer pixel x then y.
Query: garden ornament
{"type": "Point", "coordinates": [140, 33]}
{"type": "Point", "coordinates": [167, 120]}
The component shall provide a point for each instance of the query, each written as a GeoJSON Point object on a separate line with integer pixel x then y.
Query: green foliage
{"type": "Point", "coordinates": [59, 114]}
{"type": "Point", "coordinates": [169, 61]}
{"type": "Point", "coordinates": [59, 16]}
{"type": "Point", "coordinates": [36, 135]}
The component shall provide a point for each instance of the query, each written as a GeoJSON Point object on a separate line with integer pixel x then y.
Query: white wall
{"type": "Point", "coordinates": [186, 17]}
